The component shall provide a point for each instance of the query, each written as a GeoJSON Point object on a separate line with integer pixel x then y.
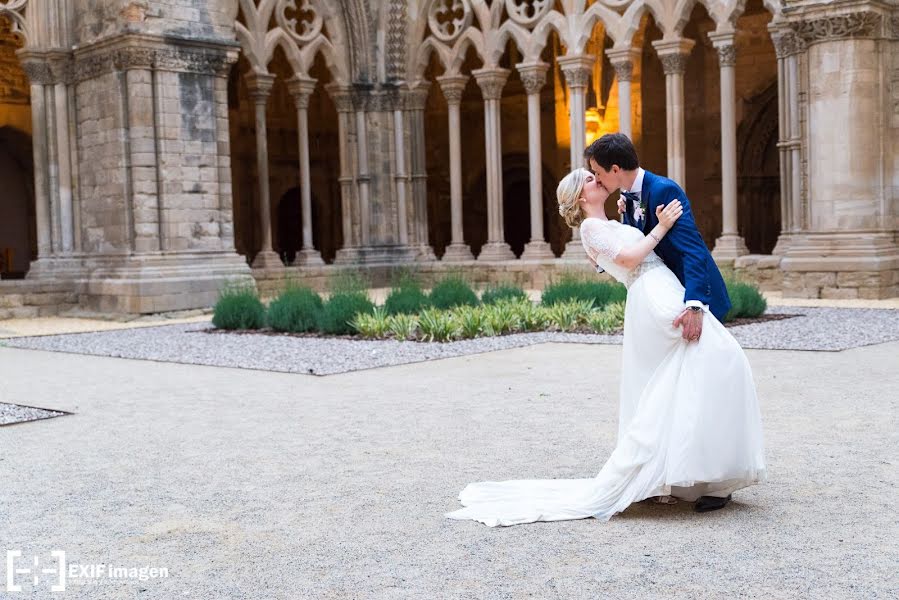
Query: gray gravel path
{"type": "Point", "coordinates": [828, 329]}
{"type": "Point", "coordinates": [260, 485]}
{"type": "Point", "coordinates": [16, 413]}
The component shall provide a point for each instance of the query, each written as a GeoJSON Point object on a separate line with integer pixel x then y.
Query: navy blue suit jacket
{"type": "Point", "coordinates": [683, 249]}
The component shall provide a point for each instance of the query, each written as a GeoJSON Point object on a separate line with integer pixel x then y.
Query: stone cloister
{"type": "Point", "coordinates": [154, 150]}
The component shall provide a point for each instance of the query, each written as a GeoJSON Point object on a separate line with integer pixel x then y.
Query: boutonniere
{"type": "Point", "coordinates": [640, 210]}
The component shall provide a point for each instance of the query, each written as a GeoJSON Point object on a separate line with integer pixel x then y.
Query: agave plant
{"type": "Point", "coordinates": [531, 317]}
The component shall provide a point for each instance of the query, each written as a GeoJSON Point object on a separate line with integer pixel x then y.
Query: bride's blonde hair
{"type": "Point", "coordinates": [568, 193]}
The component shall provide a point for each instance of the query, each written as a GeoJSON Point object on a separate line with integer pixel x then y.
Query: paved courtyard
{"type": "Point", "coordinates": [266, 485]}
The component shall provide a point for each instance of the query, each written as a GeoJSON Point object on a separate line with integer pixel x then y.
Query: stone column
{"type": "Point", "coordinates": [349, 210]}
{"type": "Point", "coordinates": [260, 87]}
{"type": "Point", "coordinates": [673, 54]}
{"type": "Point", "coordinates": [846, 247]}
{"type": "Point", "coordinates": [301, 89]}
{"type": "Point", "coordinates": [577, 70]}
{"type": "Point", "coordinates": [363, 176]}
{"type": "Point", "coordinates": [415, 100]}
{"type": "Point", "coordinates": [622, 60]}
{"type": "Point", "coordinates": [730, 245]}
{"type": "Point", "coordinates": [401, 178]}
{"type": "Point", "coordinates": [787, 47]}
{"type": "Point", "coordinates": [491, 82]}
{"type": "Point", "coordinates": [452, 87]}
{"type": "Point", "coordinates": [533, 76]}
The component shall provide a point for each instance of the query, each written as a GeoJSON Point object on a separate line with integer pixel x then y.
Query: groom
{"type": "Point", "coordinates": [613, 160]}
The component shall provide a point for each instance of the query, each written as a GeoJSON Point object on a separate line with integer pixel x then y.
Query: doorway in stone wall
{"type": "Point", "coordinates": [18, 229]}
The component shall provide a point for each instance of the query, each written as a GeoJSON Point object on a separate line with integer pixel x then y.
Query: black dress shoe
{"type": "Point", "coordinates": [710, 503]}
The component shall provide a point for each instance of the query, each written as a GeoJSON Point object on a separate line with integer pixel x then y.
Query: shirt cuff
{"type": "Point", "coordinates": [704, 307]}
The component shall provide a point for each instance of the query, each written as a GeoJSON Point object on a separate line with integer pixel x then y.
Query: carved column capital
{"type": "Point", "coordinates": [533, 76]}
{"type": "Point", "coordinates": [452, 87]}
{"type": "Point", "coordinates": [491, 82]}
{"type": "Point", "coordinates": [577, 69]}
{"type": "Point", "coordinates": [415, 97]}
{"type": "Point", "coordinates": [36, 67]}
{"type": "Point", "coordinates": [786, 42]}
{"type": "Point", "coordinates": [622, 60]}
{"type": "Point", "coordinates": [727, 50]}
{"type": "Point", "coordinates": [674, 54]}
{"type": "Point", "coordinates": [300, 89]}
{"type": "Point", "coordinates": [260, 86]}
{"type": "Point", "coordinates": [342, 95]}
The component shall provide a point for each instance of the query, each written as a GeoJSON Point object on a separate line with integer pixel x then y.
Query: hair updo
{"type": "Point", "coordinates": [568, 193]}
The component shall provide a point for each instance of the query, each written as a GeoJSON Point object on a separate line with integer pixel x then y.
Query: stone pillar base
{"type": "Point", "coordinates": [160, 283]}
{"type": "Point", "coordinates": [55, 269]}
{"type": "Point", "coordinates": [375, 255]}
{"type": "Point", "coordinates": [457, 253]}
{"type": "Point", "coordinates": [492, 251]}
{"type": "Point", "coordinates": [728, 248]}
{"type": "Point", "coordinates": [424, 253]}
{"type": "Point", "coordinates": [841, 265]}
{"type": "Point", "coordinates": [574, 251]}
{"type": "Point", "coordinates": [308, 257]}
{"type": "Point", "coordinates": [537, 250]}
{"type": "Point", "coordinates": [783, 244]}
{"type": "Point", "coordinates": [267, 260]}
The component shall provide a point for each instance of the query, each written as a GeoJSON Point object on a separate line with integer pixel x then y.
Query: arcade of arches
{"type": "Point", "coordinates": [151, 151]}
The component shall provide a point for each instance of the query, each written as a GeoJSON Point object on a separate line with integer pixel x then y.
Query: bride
{"type": "Point", "coordinates": [689, 423]}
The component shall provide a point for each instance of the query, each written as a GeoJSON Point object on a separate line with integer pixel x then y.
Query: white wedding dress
{"type": "Point", "coordinates": [689, 422]}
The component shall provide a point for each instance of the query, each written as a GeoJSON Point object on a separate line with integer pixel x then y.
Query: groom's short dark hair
{"type": "Point", "coordinates": [613, 149]}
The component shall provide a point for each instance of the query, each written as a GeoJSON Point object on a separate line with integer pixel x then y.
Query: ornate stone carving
{"type": "Point", "coordinates": [303, 23]}
{"type": "Point", "coordinates": [452, 87]}
{"type": "Point", "coordinates": [190, 60]}
{"type": "Point", "coordinates": [396, 39]}
{"type": "Point", "coordinates": [624, 69]}
{"type": "Point", "coordinates": [787, 43]}
{"type": "Point", "coordinates": [38, 71]}
{"type": "Point", "coordinates": [674, 63]}
{"type": "Point", "coordinates": [417, 97]}
{"type": "Point", "coordinates": [533, 76]}
{"type": "Point", "coordinates": [528, 12]}
{"type": "Point", "coordinates": [449, 18]}
{"type": "Point", "coordinates": [259, 86]}
{"type": "Point", "coordinates": [300, 89]}
{"type": "Point", "coordinates": [342, 96]}
{"type": "Point", "coordinates": [852, 25]}
{"type": "Point", "coordinates": [491, 82]}
{"type": "Point", "coordinates": [727, 55]}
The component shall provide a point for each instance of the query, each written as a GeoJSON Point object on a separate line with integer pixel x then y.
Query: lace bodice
{"type": "Point", "coordinates": [603, 240]}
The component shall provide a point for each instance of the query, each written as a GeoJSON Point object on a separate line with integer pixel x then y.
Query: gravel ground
{"type": "Point", "coordinates": [259, 485]}
{"type": "Point", "coordinates": [16, 413]}
{"type": "Point", "coordinates": [830, 329]}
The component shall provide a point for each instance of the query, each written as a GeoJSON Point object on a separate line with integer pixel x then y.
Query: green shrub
{"type": "Point", "coordinates": [531, 317]}
{"type": "Point", "coordinates": [239, 308]}
{"type": "Point", "coordinates": [499, 318]}
{"type": "Point", "coordinates": [371, 325]}
{"type": "Point", "coordinates": [746, 301]}
{"type": "Point", "coordinates": [572, 288]}
{"type": "Point", "coordinates": [295, 310]}
{"type": "Point", "coordinates": [608, 320]}
{"type": "Point", "coordinates": [503, 292]}
{"type": "Point", "coordinates": [437, 325]}
{"type": "Point", "coordinates": [568, 316]}
{"type": "Point", "coordinates": [470, 321]}
{"type": "Point", "coordinates": [452, 291]}
{"type": "Point", "coordinates": [403, 327]}
{"type": "Point", "coordinates": [341, 309]}
{"type": "Point", "coordinates": [409, 299]}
